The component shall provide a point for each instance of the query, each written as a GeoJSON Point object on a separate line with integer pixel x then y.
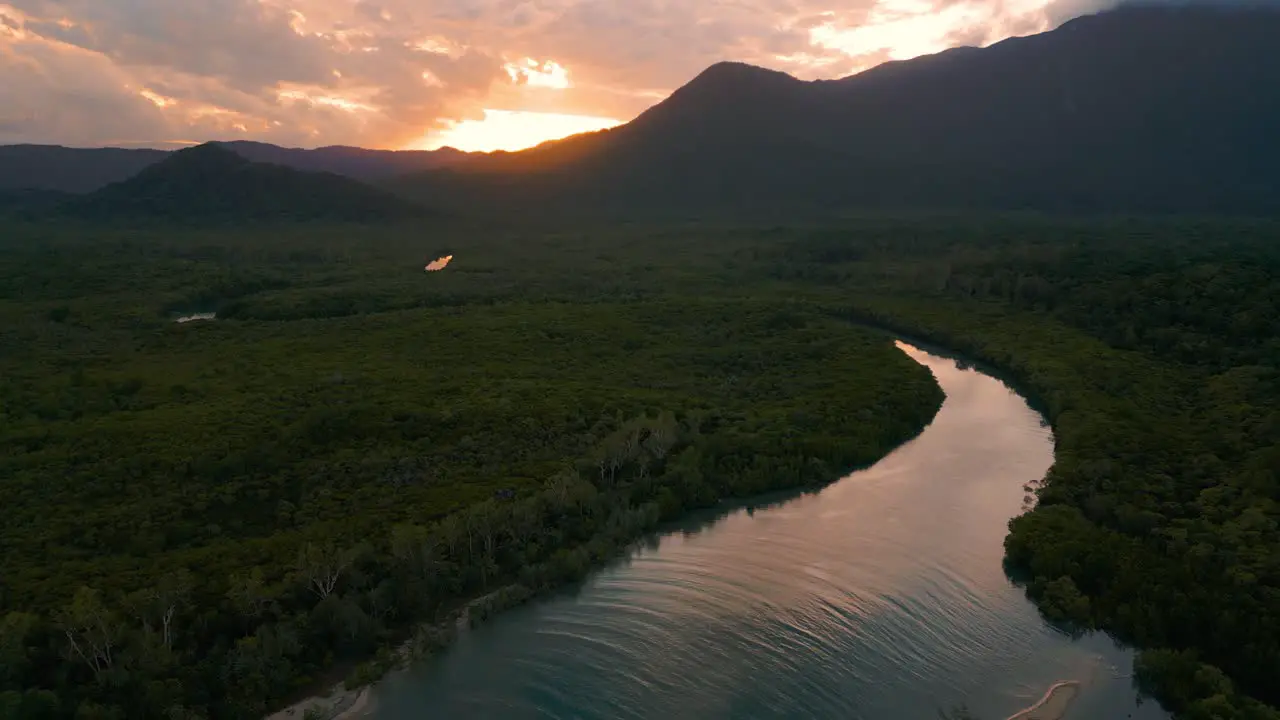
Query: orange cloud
{"type": "Point", "coordinates": [391, 73]}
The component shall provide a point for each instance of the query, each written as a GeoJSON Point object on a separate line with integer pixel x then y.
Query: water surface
{"type": "Point", "coordinates": [880, 598]}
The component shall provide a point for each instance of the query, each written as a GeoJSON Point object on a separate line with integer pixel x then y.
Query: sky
{"type": "Point", "coordinates": [420, 74]}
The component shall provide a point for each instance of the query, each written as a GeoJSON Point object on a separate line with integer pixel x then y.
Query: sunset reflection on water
{"type": "Point", "coordinates": [880, 597]}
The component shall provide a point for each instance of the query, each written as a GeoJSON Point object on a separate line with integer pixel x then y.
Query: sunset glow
{"type": "Point", "coordinates": [156, 99]}
{"type": "Point", "coordinates": [513, 130]}
{"type": "Point", "coordinates": [549, 74]}
{"type": "Point", "coordinates": [903, 30]}
{"type": "Point", "coordinates": [478, 76]}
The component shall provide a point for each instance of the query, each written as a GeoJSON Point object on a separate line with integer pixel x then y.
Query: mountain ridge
{"type": "Point", "coordinates": [1144, 109]}
{"type": "Point", "coordinates": [211, 182]}
{"type": "Point", "coordinates": [61, 168]}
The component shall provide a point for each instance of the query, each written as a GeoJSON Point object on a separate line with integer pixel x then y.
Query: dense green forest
{"type": "Point", "coordinates": [205, 519]}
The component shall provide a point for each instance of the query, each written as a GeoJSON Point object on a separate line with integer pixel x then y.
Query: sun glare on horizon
{"type": "Point", "coordinates": [513, 130]}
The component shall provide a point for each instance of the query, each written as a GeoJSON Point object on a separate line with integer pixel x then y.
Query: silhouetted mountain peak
{"type": "Point", "coordinates": [727, 73]}
{"type": "Point", "coordinates": [213, 182]}
{"type": "Point", "coordinates": [722, 96]}
{"type": "Point", "coordinates": [731, 82]}
{"type": "Point", "coordinates": [206, 158]}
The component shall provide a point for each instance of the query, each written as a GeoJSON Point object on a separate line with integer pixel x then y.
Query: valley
{"type": "Point", "coordinates": [275, 419]}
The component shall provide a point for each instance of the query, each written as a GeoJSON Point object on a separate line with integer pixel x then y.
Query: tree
{"type": "Point", "coordinates": [322, 566]}
{"type": "Point", "coordinates": [158, 606]}
{"type": "Point", "coordinates": [92, 630]}
{"type": "Point", "coordinates": [415, 547]}
{"type": "Point", "coordinates": [15, 630]}
{"type": "Point", "coordinates": [249, 594]}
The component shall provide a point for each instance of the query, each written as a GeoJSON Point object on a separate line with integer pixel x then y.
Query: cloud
{"type": "Point", "coordinates": [53, 92]}
{"type": "Point", "coordinates": [386, 72]}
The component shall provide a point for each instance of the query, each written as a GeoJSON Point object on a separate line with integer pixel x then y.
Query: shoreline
{"type": "Point", "coordinates": [1053, 705]}
{"type": "Point", "coordinates": [342, 704]}
{"type": "Point", "coordinates": [339, 704]}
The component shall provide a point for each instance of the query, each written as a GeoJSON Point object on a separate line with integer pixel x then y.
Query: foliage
{"type": "Point", "coordinates": [208, 518]}
{"type": "Point", "coordinates": [485, 433]}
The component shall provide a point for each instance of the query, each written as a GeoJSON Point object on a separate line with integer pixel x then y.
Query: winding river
{"type": "Point", "coordinates": [882, 597]}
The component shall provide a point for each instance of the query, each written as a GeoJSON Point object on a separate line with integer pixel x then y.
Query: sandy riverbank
{"type": "Point", "coordinates": [1054, 704]}
{"type": "Point", "coordinates": [339, 704]}
{"type": "Point", "coordinates": [343, 704]}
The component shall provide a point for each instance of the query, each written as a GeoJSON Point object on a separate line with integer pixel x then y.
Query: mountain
{"type": "Point", "coordinates": [28, 202]}
{"type": "Point", "coordinates": [210, 182]}
{"type": "Point", "coordinates": [1141, 109]}
{"type": "Point", "coordinates": [353, 162]}
{"type": "Point", "coordinates": [71, 170]}
{"type": "Point", "coordinates": [83, 170]}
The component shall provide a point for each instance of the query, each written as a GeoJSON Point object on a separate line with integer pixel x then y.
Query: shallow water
{"type": "Point", "coordinates": [880, 598]}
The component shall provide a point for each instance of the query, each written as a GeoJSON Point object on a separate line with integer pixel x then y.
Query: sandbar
{"type": "Point", "coordinates": [1054, 704]}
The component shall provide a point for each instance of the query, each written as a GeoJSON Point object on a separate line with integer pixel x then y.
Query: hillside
{"type": "Point", "coordinates": [209, 182]}
{"type": "Point", "coordinates": [70, 170]}
{"type": "Point", "coordinates": [30, 202]}
{"type": "Point", "coordinates": [84, 170]}
{"type": "Point", "coordinates": [1142, 109]}
{"type": "Point", "coordinates": [353, 162]}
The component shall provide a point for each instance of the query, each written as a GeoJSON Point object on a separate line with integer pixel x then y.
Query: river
{"type": "Point", "coordinates": [882, 597]}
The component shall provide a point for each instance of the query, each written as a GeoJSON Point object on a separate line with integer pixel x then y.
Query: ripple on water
{"type": "Point", "coordinates": [880, 598]}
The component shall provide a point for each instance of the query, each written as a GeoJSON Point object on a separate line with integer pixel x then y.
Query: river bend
{"type": "Point", "coordinates": [882, 597]}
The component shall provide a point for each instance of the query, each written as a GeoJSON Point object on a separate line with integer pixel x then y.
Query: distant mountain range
{"type": "Point", "coordinates": [83, 170]}
{"type": "Point", "coordinates": [1144, 109]}
{"type": "Point", "coordinates": [212, 183]}
{"type": "Point", "coordinates": [69, 170]}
